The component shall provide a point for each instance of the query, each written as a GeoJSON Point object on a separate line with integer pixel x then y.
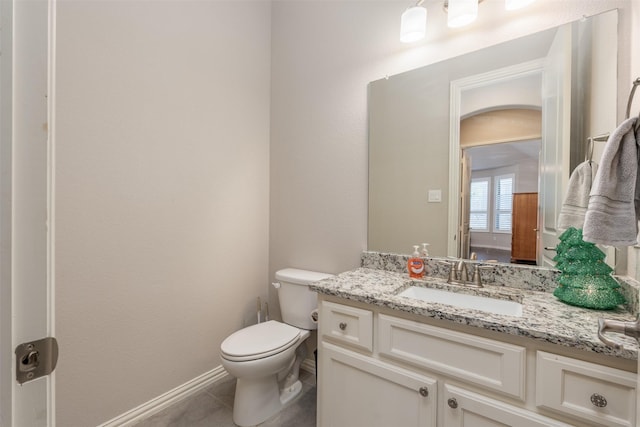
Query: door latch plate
{"type": "Point", "coordinates": [36, 359]}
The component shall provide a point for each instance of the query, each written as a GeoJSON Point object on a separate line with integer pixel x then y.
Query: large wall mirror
{"type": "Point", "coordinates": [454, 146]}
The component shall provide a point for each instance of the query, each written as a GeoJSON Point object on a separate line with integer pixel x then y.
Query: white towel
{"type": "Point", "coordinates": [576, 200]}
{"type": "Point", "coordinates": [612, 213]}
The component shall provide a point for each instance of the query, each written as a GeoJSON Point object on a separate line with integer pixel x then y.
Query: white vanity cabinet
{"type": "Point", "coordinates": [376, 368]}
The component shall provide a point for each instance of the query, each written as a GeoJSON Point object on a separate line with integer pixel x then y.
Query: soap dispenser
{"type": "Point", "coordinates": [425, 250]}
{"type": "Point", "coordinates": [415, 265]}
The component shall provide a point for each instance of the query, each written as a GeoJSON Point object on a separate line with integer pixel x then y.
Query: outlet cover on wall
{"type": "Point", "coordinates": [435, 196]}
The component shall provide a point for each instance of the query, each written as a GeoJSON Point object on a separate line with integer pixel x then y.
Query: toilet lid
{"type": "Point", "coordinates": [259, 339]}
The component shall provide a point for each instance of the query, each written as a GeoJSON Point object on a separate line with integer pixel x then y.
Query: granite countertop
{"type": "Point", "coordinates": [544, 318]}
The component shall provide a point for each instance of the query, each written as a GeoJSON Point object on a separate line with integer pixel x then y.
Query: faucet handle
{"type": "Point", "coordinates": [477, 277]}
{"type": "Point", "coordinates": [452, 270]}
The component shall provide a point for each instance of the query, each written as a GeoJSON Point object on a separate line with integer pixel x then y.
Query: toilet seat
{"type": "Point", "coordinates": [259, 341]}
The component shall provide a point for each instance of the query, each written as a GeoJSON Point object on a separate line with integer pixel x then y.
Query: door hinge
{"type": "Point", "coordinates": [36, 359]}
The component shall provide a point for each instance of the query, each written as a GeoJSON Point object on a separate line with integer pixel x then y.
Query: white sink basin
{"type": "Point", "coordinates": [490, 305]}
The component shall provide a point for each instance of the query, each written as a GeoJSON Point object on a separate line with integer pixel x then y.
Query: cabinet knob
{"type": "Point", "coordinates": [342, 326]}
{"type": "Point", "coordinates": [452, 402]}
{"type": "Point", "coordinates": [598, 400]}
{"type": "Point", "coordinates": [424, 392]}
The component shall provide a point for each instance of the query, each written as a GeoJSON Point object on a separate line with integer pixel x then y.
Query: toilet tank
{"type": "Point", "coordinates": [297, 301]}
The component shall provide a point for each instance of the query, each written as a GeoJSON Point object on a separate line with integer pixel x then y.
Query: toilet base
{"type": "Point", "coordinates": [258, 400]}
{"type": "Point", "coordinates": [289, 393]}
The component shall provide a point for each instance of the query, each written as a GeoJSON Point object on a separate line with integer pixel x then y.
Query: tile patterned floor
{"type": "Point", "coordinates": [213, 407]}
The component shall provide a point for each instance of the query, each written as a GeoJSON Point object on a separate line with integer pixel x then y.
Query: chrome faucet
{"type": "Point", "coordinates": [459, 274]}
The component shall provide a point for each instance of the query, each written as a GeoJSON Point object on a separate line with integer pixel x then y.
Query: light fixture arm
{"type": "Point", "coordinates": [445, 4]}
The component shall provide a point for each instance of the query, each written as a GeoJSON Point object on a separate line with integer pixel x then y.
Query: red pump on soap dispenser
{"type": "Point", "coordinates": [415, 265]}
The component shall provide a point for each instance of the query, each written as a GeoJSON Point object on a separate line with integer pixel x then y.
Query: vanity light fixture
{"type": "Point", "coordinates": [413, 23]}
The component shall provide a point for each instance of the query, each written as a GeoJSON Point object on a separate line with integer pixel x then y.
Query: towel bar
{"type": "Point", "coordinates": [600, 138]}
{"type": "Point", "coordinates": [633, 91]}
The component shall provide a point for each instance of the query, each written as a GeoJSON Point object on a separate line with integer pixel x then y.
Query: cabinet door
{"type": "Point", "coordinates": [466, 409]}
{"type": "Point", "coordinates": [360, 391]}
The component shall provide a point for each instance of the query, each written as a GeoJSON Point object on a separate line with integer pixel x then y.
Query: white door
{"type": "Point", "coordinates": [554, 155]}
{"type": "Point", "coordinates": [25, 238]}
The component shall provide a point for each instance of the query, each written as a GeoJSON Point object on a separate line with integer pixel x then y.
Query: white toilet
{"type": "Point", "coordinates": [266, 357]}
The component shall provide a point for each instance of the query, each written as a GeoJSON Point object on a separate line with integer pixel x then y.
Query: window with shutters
{"type": "Point", "coordinates": [503, 190]}
{"type": "Point", "coordinates": [479, 204]}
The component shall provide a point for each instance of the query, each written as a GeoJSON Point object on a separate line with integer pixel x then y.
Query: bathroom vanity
{"type": "Point", "coordinates": [392, 360]}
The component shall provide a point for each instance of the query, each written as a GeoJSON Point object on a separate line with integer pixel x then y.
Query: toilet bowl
{"type": "Point", "coordinates": [265, 358]}
{"type": "Point", "coordinates": [261, 369]}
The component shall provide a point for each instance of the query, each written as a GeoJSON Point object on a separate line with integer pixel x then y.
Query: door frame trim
{"type": "Point", "coordinates": [458, 86]}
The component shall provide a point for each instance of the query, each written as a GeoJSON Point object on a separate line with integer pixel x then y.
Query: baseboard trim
{"type": "Point", "coordinates": [179, 393]}
{"type": "Point", "coordinates": [167, 399]}
{"type": "Point", "coordinates": [309, 365]}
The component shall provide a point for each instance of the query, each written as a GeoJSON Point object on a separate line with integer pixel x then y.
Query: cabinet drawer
{"type": "Point", "coordinates": [492, 364]}
{"type": "Point", "coordinates": [586, 390]}
{"type": "Point", "coordinates": [349, 325]}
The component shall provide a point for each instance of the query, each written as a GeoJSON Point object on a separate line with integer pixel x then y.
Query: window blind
{"type": "Point", "coordinates": [504, 203]}
{"type": "Point", "coordinates": [479, 205]}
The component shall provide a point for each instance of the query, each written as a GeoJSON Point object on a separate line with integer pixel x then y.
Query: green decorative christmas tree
{"type": "Point", "coordinates": [585, 279]}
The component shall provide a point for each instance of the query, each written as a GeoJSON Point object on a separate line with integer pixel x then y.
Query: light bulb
{"type": "Point", "coordinates": [462, 12]}
{"type": "Point", "coordinates": [413, 24]}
